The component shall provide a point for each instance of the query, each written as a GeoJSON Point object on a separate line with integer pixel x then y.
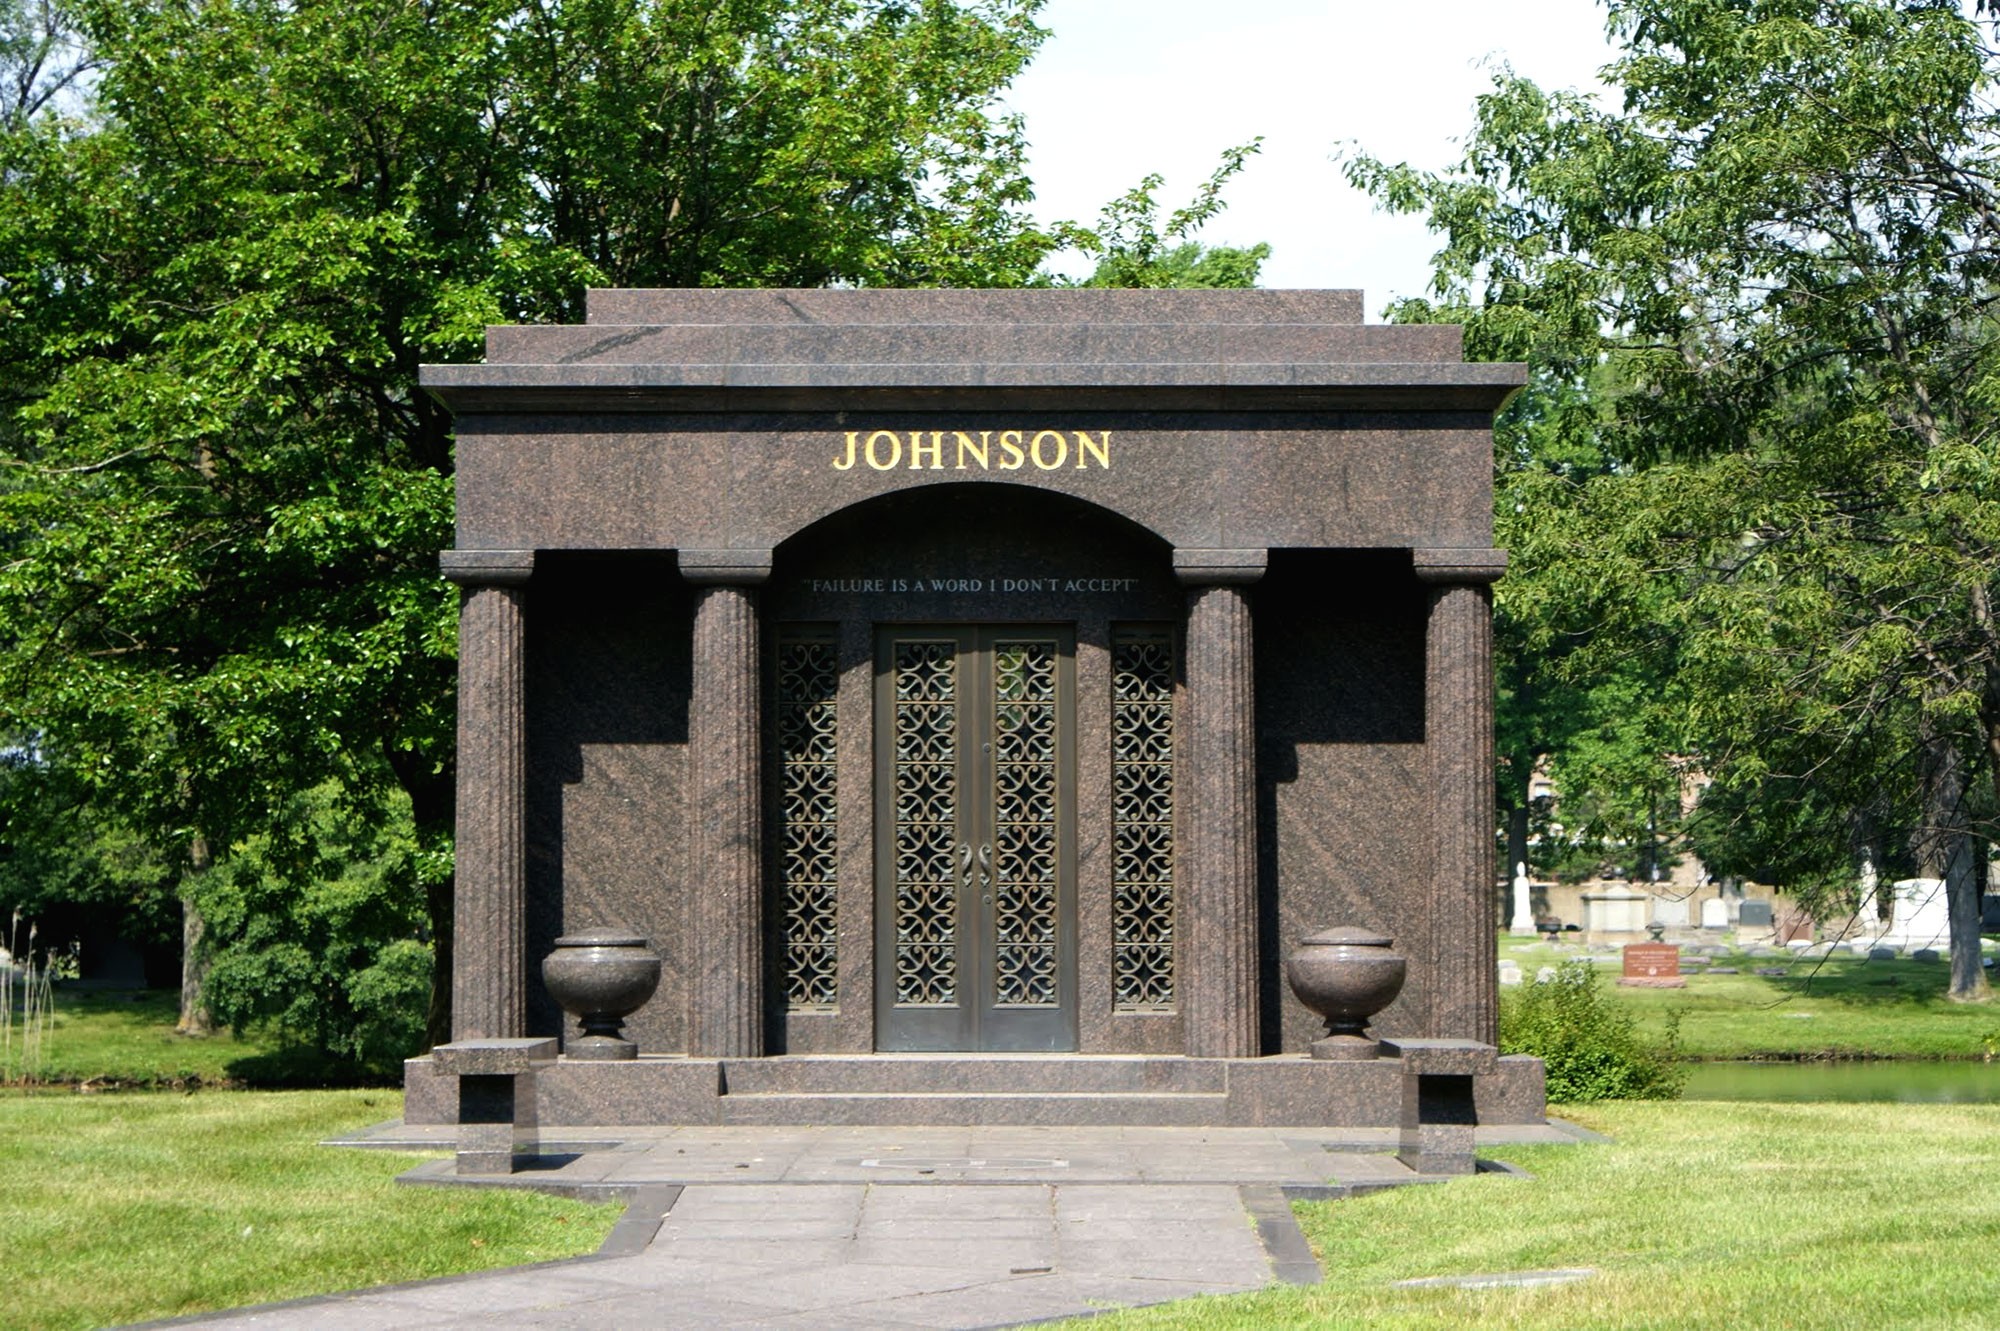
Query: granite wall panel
{"type": "Point", "coordinates": [1343, 773]}
{"type": "Point", "coordinates": [1196, 480]}
{"type": "Point", "coordinates": [608, 675]}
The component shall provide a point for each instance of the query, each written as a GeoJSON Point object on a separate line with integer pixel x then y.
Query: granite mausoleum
{"type": "Point", "coordinates": [972, 698]}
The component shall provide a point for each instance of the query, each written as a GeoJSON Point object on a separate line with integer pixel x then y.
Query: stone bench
{"type": "Point", "coordinates": [1439, 1116]}
{"type": "Point", "coordinates": [497, 1122]}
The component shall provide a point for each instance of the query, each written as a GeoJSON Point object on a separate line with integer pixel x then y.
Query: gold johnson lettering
{"type": "Point", "coordinates": [967, 450]}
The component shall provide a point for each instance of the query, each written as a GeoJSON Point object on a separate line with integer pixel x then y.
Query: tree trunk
{"type": "Point", "coordinates": [1871, 903]}
{"type": "Point", "coordinates": [1517, 841]}
{"type": "Point", "coordinates": [195, 1018]}
{"type": "Point", "coordinates": [433, 793]}
{"type": "Point", "coordinates": [1943, 850]}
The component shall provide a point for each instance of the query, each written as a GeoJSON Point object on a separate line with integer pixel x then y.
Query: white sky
{"type": "Point", "coordinates": [1127, 87]}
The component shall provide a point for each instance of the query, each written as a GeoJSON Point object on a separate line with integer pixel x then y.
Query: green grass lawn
{"type": "Point", "coordinates": [1875, 1217]}
{"type": "Point", "coordinates": [1836, 1007]}
{"type": "Point", "coordinates": [125, 1206]}
{"type": "Point", "coordinates": [1871, 1217]}
{"type": "Point", "coordinates": [127, 1038]}
{"type": "Point", "coordinates": [128, 1206]}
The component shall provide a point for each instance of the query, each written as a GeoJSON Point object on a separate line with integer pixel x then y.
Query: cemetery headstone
{"type": "Point", "coordinates": [1653, 966]}
{"type": "Point", "coordinates": [1923, 918]}
{"type": "Point", "coordinates": [1524, 906]}
{"type": "Point", "coordinates": [1671, 911]}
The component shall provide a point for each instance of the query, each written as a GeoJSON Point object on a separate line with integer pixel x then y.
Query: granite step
{"type": "Point", "coordinates": [1037, 1074]}
{"type": "Point", "coordinates": [992, 1108]}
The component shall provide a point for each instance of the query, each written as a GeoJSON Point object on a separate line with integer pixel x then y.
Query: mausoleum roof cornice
{"type": "Point", "coordinates": [1377, 386]}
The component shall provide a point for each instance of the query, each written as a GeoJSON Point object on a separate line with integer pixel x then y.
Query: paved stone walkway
{"type": "Point", "coordinates": [891, 1228]}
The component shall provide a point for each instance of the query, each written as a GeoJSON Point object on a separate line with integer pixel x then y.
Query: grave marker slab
{"type": "Point", "coordinates": [1653, 966]}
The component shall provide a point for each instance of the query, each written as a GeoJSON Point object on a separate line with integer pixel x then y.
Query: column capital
{"type": "Point", "coordinates": [1474, 565]}
{"type": "Point", "coordinates": [1219, 568]}
{"type": "Point", "coordinates": [487, 568]}
{"type": "Point", "coordinates": [737, 568]}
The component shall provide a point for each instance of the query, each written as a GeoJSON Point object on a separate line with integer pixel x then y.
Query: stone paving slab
{"type": "Point", "coordinates": [888, 1255]}
{"type": "Point", "coordinates": [888, 1228]}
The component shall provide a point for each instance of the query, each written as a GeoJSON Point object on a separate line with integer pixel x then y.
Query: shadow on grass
{"type": "Point", "coordinates": [1898, 982]}
{"type": "Point", "coordinates": [104, 1039]}
{"type": "Point", "coordinates": [295, 1068]}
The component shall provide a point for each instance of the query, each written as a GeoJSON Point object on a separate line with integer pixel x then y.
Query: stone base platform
{"type": "Point", "coordinates": [950, 1090]}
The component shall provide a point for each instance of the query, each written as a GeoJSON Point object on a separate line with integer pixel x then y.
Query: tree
{"type": "Point", "coordinates": [40, 59]}
{"type": "Point", "coordinates": [324, 953]}
{"type": "Point", "coordinates": [1133, 248]}
{"type": "Point", "coordinates": [1755, 467]}
{"type": "Point", "coordinates": [224, 494]}
{"type": "Point", "coordinates": [64, 862]}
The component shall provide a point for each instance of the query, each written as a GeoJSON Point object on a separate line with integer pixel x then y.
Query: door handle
{"type": "Point", "coordinates": [986, 874]}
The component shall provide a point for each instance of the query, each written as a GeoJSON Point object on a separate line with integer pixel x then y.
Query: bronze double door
{"type": "Point", "coordinates": [975, 877]}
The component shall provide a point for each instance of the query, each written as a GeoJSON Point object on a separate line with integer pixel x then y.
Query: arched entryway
{"type": "Point", "coordinates": [972, 801]}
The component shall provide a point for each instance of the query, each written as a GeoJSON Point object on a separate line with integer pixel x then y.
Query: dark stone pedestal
{"type": "Point", "coordinates": [946, 1090]}
{"type": "Point", "coordinates": [497, 1118]}
{"type": "Point", "coordinates": [1439, 1112]}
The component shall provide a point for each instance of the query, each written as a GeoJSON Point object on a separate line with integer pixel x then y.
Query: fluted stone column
{"type": "Point", "coordinates": [489, 930]}
{"type": "Point", "coordinates": [1218, 960]}
{"type": "Point", "coordinates": [1458, 732]}
{"type": "Point", "coordinates": [725, 806]}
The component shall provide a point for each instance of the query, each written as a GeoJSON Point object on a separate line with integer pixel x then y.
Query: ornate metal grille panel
{"type": "Point", "coordinates": [1024, 823]}
{"type": "Point", "coordinates": [925, 794]}
{"type": "Point", "coordinates": [1142, 783]}
{"type": "Point", "coordinates": [808, 821]}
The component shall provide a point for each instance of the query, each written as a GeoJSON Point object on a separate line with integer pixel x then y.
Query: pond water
{"type": "Point", "coordinates": [1879, 1080]}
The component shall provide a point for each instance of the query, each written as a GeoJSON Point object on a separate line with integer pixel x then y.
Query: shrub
{"type": "Point", "coordinates": [323, 945]}
{"type": "Point", "coordinates": [1591, 1049]}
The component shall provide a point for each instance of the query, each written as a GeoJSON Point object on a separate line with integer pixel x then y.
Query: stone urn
{"type": "Point", "coordinates": [601, 977]}
{"type": "Point", "coordinates": [1346, 975]}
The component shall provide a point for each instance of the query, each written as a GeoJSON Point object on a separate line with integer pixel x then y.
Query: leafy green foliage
{"type": "Point", "coordinates": [60, 854]}
{"type": "Point", "coordinates": [40, 58]}
{"type": "Point", "coordinates": [223, 495]}
{"type": "Point", "coordinates": [1591, 1049]}
{"type": "Point", "coordinates": [215, 300]}
{"type": "Point", "coordinates": [1134, 248]}
{"type": "Point", "coordinates": [324, 951]}
{"type": "Point", "coordinates": [1751, 489]}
